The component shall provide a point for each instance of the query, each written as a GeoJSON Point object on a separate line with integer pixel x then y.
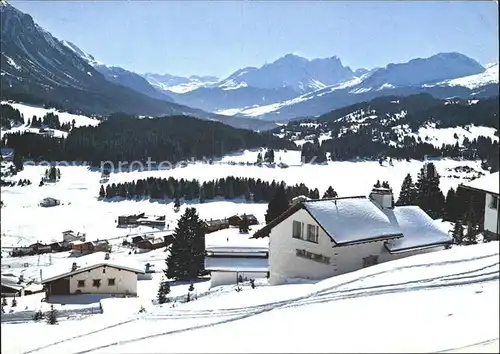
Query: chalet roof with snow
{"type": "Point", "coordinates": [86, 263]}
{"type": "Point", "coordinates": [354, 220]}
{"type": "Point", "coordinates": [485, 184]}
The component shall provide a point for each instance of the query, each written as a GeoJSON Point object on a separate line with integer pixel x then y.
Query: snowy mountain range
{"type": "Point", "coordinates": [35, 62]}
{"type": "Point", "coordinates": [292, 86]}
{"type": "Point", "coordinates": [39, 68]}
{"type": "Point", "coordinates": [179, 84]}
{"type": "Point", "coordinates": [443, 75]}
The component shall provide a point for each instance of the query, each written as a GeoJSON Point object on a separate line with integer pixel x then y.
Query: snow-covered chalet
{"type": "Point", "coordinates": [318, 239]}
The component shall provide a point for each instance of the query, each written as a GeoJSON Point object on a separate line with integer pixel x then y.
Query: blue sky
{"type": "Point", "coordinates": [219, 37]}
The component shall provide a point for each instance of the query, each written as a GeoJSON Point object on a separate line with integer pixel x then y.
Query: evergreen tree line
{"type": "Point", "coordinates": [125, 138]}
{"type": "Point", "coordinates": [361, 144]}
{"type": "Point", "coordinates": [228, 188]}
{"type": "Point", "coordinates": [459, 206]}
{"type": "Point", "coordinates": [9, 114]}
{"type": "Point", "coordinates": [50, 120]}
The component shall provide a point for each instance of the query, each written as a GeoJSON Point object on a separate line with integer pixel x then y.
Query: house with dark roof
{"type": "Point", "coordinates": [318, 239]}
{"type": "Point", "coordinates": [489, 186]}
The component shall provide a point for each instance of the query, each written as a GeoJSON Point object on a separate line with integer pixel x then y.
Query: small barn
{"type": "Point", "coordinates": [49, 202]}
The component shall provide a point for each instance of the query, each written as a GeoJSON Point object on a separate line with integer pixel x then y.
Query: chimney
{"type": "Point", "coordinates": [106, 256]}
{"type": "Point", "coordinates": [382, 196]}
{"type": "Point", "coordinates": [73, 267]}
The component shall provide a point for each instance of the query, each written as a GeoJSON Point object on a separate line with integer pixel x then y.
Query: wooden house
{"type": "Point", "coordinates": [49, 202]}
{"type": "Point", "coordinates": [215, 225]}
{"type": "Point", "coordinates": [151, 244]}
{"type": "Point", "coordinates": [234, 220]}
{"type": "Point", "coordinates": [59, 247]}
{"type": "Point", "coordinates": [137, 239]}
{"type": "Point", "coordinates": [90, 246]}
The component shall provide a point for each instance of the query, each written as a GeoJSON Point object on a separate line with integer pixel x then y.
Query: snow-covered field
{"type": "Point", "coordinates": [24, 222]}
{"type": "Point", "coordinates": [440, 302]}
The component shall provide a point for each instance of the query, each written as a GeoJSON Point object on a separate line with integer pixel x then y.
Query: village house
{"type": "Point", "coordinates": [49, 202]}
{"type": "Point", "coordinates": [489, 186]}
{"type": "Point", "coordinates": [141, 219]}
{"type": "Point", "coordinates": [90, 246]}
{"type": "Point", "coordinates": [236, 219]}
{"type": "Point", "coordinates": [70, 235]}
{"type": "Point", "coordinates": [151, 244]}
{"type": "Point", "coordinates": [39, 248]}
{"type": "Point", "coordinates": [213, 225]}
{"type": "Point", "coordinates": [318, 239]}
{"type": "Point", "coordinates": [97, 274]}
{"type": "Point", "coordinates": [59, 246]}
{"type": "Point", "coordinates": [16, 286]}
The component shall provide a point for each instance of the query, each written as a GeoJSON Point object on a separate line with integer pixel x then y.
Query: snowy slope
{"type": "Point", "coordinates": [440, 294]}
{"type": "Point", "coordinates": [489, 76]}
{"type": "Point", "coordinates": [28, 111]}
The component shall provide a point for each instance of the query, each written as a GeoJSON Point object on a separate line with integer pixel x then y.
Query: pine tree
{"type": "Point", "coordinates": [191, 287]}
{"type": "Point", "coordinates": [38, 315]}
{"type": "Point", "coordinates": [202, 194]}
{"type": "Point", "coordinates": [163, 291]}
{"type": "Point", "coordinates": [259, 158]}
{"type": "Point", "coordinates": [17, 160]}
{"type": "Point", "coordinates": [450, 205]}
{"type": "Point", "coordinates": [244, 224]}
{"type": "Point", "coordinates": [314, 194]}
{"type": "Point", "coordinates": [408, 193]}
{"type": "Point", "coordinates": [458, 233]}
{"type": "Point", "coordinates": [187, 253]}
{"type": "Point", "coordinates": [248, 195]}
{"type": "Point", "coordinates": [330, 193]}
{"type": "Point", "coordinates": [278, 205]}
{"type": "Point", "coordinates": [177, 204]}
{"type": "Point", "coordinates": [52, 316]}
{"type": "Point", "coordinates": [14, 302]}
{"type": "Point", "coordinates": [429, 196]}
{"type": "Point", "coordinates": [102, 193]}
{"type": "Point", "coordinates": [4, 300]}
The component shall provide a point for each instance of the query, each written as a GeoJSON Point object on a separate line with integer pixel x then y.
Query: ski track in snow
{"type": "Point", "coordinates": [328, 294]}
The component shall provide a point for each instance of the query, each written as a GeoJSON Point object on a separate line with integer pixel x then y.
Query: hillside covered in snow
{"type": "Point", "coordinates": [402, 127]}
{"type": "Point", "coordinates": [439, 293]}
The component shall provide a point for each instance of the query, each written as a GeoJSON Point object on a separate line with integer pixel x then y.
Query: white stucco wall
{"type": "Point", "coordinates": [125, 281]}
{"type": "Point", "coordinates": [227, 278]}
{"type": "Point", "coordinates": [285, 264]}
{"type": "Point", "coordinates": [283, 261]}
{"type": "Point", "coordinates": [490, 215]}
